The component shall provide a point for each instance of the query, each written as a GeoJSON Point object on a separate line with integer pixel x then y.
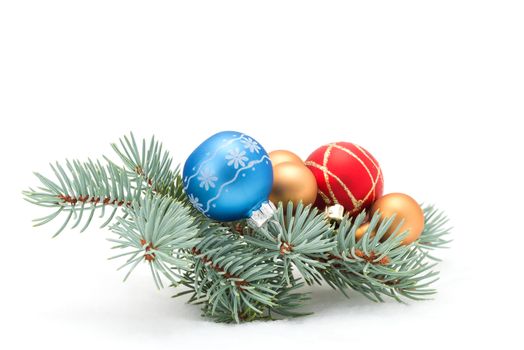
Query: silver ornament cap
{"type": "Point", "coordinates": [335, 212]}
{"type": "Point", "coordinates": [260, 216]}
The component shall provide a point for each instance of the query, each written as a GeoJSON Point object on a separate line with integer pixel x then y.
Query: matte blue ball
{"type": "Point", "coordinates": [228, 176]}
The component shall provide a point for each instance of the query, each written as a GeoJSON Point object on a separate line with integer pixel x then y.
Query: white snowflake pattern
{"type": "Point", "coordinates": [194, 201]}
{"type": "Point", "coordinates": [250, 144]}
{"type": "Point", "coordinates": [236, 158]}
{"type": "Point", "coordinates": [207, 179]}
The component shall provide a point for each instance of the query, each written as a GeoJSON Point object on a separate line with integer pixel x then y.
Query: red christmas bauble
{"type": "Point", "coordinates": [346, 174]}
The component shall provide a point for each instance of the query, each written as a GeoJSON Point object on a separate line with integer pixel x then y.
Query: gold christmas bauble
{"type": "Point", "coordinates": [281, 156]}
{"type": "Point", "coordinates": [293, 182]}
{"type": "Point", "coordinates": [406, 208]}
{"type": "Point", "coordinates": [362, 230]}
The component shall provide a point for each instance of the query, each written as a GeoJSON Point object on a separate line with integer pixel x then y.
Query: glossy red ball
{"type": "Point", "coordinates": [346, 174]}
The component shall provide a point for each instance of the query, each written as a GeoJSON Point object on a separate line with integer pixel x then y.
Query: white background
{"type": "Point", "coordinates": [434, 89]}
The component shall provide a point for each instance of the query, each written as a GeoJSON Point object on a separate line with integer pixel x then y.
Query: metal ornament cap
{"type": "Point", "coordinates": [260, 216]}
{"type": "Point", "coordinates": [335, 212]}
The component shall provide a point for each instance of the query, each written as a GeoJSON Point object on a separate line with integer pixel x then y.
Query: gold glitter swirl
{"type": "Point", "coordinates": [373, 181]}
{"type": "Point", "coordinates": [379, 170]}
{"type": "Point", "coordinates": [327, 153]}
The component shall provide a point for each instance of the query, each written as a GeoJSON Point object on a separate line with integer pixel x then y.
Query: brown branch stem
{"type": "Point", "coordinates": [215, 266]}
{"type": "Point", "coordinates": [92, 200]}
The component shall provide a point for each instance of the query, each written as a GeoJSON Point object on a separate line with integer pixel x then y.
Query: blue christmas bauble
{"type": "Point", "coordinates": [228, 177]}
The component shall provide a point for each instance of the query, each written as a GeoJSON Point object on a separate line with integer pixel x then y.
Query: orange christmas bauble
{"type": "Point", "coordinates": [361, 231]}
{"type": "Point", "coordinates": [405, 208]}
{"type": "Point", "coordinates": [346, 174]}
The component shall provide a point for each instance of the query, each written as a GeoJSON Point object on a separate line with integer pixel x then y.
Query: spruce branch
{"type": "Point", "coordinates": [231, 278]}
{"type": "Point", "coordinates": [435, 231]}
{"type": "Point", "coordinates": [235, 281]}
{"type": "Point", "coordinates": [157, 230]}
{"type": "Point", "coordinates": [88, 186]}
{"type": "Point", "coordinates": [82, 187]}
{"type": "Point", "coordinates": [152, 164]}
{"type": "Point", "coordinates": [301, 236]}
{"type": "Point", "coordinates": [377, 267]}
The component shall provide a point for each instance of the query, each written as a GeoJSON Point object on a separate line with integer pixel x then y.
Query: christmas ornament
{"type": "Point", "coordinates": [362, 230]}
{"type": "Point", "coordinates": [293, 182]}
{"type": "Point", "coordinates": [229, 177]}
{"type": "Point", "coordinates": [405, 208]}
{"type": "Point", "coordinates": [346, 174]}
{"type": "Point", "coordinates": [281, 156]}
